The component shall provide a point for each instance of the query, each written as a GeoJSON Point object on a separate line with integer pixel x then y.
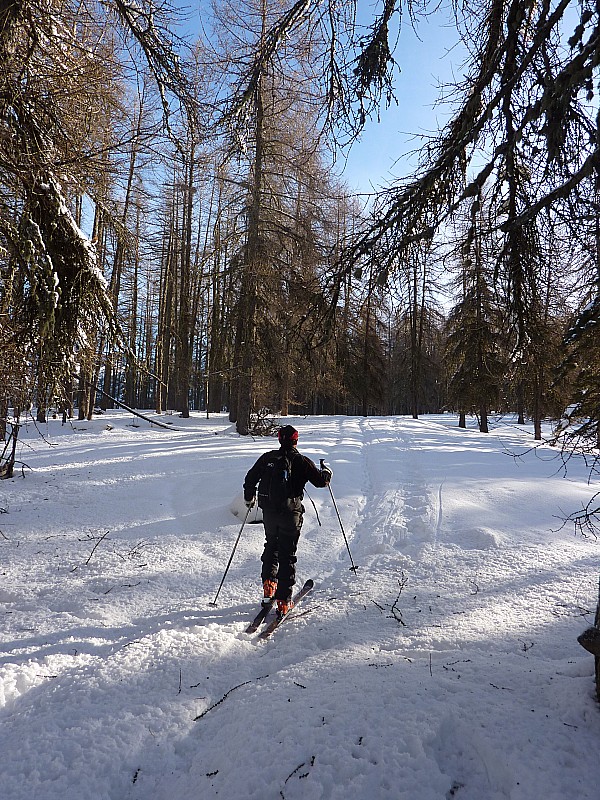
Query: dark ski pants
{"type": "Point", "coordinates": [282, 532]}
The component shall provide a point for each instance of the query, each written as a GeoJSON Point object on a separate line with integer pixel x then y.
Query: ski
{"type": "Point", "coordinates": [296, 599]}
{"type": "Point", "coordinates": [258, 619]}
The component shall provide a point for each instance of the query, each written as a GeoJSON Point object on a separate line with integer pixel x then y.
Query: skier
{"type": "Point", "coordinates": [281, 476]}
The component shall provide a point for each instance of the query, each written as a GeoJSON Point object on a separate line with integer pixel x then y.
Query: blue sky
{"type": "Point", "coordinates": [425, 58]}
{"type": "Point", "coordinates": [425, 61]}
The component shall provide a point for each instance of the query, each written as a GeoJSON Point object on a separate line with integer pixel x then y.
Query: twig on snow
{"type": "Point", "coordinates": [395, 610]}
{"type": "Point", "coordinates": [218, 703]}
{"type": "Point", "coordinates": [101, 539]}
{"type": "Point", "coordinates": [294, 771]}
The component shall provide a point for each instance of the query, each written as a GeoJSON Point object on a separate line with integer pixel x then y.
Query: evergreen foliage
{"type": "Point", "coordinates": [581, 422]}
{"type": "Point", "coordinates": [476, 356]}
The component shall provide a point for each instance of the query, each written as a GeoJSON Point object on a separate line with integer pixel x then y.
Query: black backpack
{"type": "Point", "coordinates": [275, 486]}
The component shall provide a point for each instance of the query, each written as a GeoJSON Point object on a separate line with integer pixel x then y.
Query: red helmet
{"type": "Point", "coordinates": [288, 436]}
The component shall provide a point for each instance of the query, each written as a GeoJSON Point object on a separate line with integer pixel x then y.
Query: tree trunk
{"type": "Point", "coordinates": [183, 354]}
{"type": "Point", "coordinates": [215, 354]}
{"type": "Point", "coordinates": [414, 350]}
{"type": "Point", "coordinates": [483, 419]}
{"type": "Point", "coordinates": [3, 419]}
{"type": "Point", "coordinates": [165, 312]}
{"type": "Point", "coordinates": [83, 396]}
{"type": "Point", "coordinates": [252, 265]}
{"type": "Point", "coordinates": [365, 393]}
{"type": "Point", "coordinates": [520, 404]}
{"type": "Point", "coordinates": [131, 358]}
{"type": "Point", "coordinates": [537, 407]}
{"type": "Point", "coordinates": [120, 251]}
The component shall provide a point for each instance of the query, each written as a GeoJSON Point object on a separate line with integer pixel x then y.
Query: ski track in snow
{"type": "Point", "coordinates": [446, 667]}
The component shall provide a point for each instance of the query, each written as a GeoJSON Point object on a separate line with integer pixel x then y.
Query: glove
{"type": "Point", "coordinates": [326, 471]}
{"type": "Point", "coordinates": [250, 503]}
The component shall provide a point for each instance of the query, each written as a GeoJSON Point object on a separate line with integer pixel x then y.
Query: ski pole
{"type": "Point", "coordinates": [353, 568]}
{"type": "Point", "coordinates": [214, 602]}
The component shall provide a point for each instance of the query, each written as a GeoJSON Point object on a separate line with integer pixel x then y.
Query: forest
{"type": "Point", "coordinates": [176, 234]}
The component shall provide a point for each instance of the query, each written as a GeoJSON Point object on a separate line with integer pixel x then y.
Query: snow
{"type": "Point", "coordinates": [446, 667]}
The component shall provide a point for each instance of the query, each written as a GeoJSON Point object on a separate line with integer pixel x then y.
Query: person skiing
{"type": "Point", "coordinates": [281, 476]}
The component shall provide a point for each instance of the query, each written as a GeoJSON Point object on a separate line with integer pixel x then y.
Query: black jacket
{"type": "Point", "coordinates": [303, 470]}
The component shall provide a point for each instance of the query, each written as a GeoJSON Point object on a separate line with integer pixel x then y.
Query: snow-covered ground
{"type": "Point", "coordinates": [446, 667]}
